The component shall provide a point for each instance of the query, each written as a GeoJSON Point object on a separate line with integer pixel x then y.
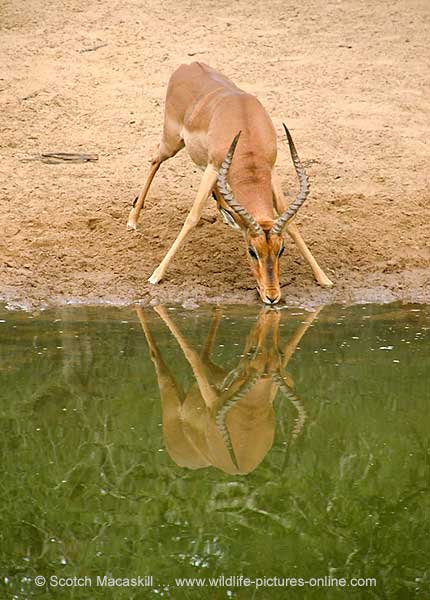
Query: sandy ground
{"type": "Point", "coordinates": [350, 78]}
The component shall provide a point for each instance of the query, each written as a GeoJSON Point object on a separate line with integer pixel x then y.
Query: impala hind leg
{"type": "Point", "coordinates": [206, 185]}
{"type": "Point", "coordinates": [138, 203]}
{"type": "Point", "coordinates": [171, 394]}
{"type": "Point", "coordinates": [294, 233]}
{"type": "Point", "coordinates": [170, 145]}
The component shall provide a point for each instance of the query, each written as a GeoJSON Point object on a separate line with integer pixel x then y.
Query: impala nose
{"type": "Point", "coordinates": [269, 300]}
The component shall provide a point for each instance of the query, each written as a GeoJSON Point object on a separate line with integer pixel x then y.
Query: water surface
{"type": "Point", "coordinates": [215, 442]}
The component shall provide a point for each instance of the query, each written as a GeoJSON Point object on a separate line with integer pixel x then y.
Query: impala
{"type": "Point", "coordinates": [226, 418]}
{"type": "Point", "coordinates": [229, 134]}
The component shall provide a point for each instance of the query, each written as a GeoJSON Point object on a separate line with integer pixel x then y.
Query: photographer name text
{"type": "Point", "coordinates": [97, 581]}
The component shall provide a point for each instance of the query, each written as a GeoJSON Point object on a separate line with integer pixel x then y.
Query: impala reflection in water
{"type": "Point", "coordinates": [227, 418]}
{"type": "Point", "coordinates": [88, 487]}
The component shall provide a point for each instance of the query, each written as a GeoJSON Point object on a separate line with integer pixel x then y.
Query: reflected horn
{"type": "Point", "coordinates": [281, 222]}
{"type": "Point", "coordinates": [227, 194]}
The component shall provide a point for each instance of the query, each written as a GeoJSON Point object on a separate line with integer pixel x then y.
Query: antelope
{"type": "Point", "coordinates": [229, 134]}
{"type": "Point", "coordinates": [226, 419]}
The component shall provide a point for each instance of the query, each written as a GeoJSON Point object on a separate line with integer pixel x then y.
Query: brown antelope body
{"type": "Point", "coordinates": [229, 134]}
{"type": "Point", "coordinates": [226, 418]}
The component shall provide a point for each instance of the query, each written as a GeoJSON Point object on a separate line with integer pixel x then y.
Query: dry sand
{"type": "Point", "coordinates": [350, 78]}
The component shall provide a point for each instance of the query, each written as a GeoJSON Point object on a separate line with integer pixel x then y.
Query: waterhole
{"type": "Point", "coordinates": [220, 442]}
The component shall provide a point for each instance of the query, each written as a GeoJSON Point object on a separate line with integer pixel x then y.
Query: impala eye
{"type": "Point", "coordinates": [281, 251]}
{"type": "Point", "coordinates": [252, 253]}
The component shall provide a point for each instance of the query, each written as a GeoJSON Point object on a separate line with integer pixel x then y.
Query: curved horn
{"type": "Point", "coordinates": [280, 223]}
{"type": "Point", "coordinates": [227, 194]}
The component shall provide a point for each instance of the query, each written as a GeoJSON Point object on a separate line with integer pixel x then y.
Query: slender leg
{"type": "Point", "coordinates": [294, 341]}
{"type": "Point", "coordinates": [177, 420]}
{"type": "Point", "coordinates": [216, 318]}
{"type": "Point", "coordinates": [319, 274]}
{"type": "Point", "coordinates": [206, 185]}
{"type": "Point", "coordinates": [197, 364]}
{"type": "Point", "coordinates": [292, 230]}
{"type": "Point", "coordinates": [171, 143]}
{"type": "Point", "coordinates": [135, 211]}
{"type": "Point", "coordinates": [171, 394]}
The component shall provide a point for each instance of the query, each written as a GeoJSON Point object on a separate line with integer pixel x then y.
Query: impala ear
{"type": "Point", "coordinates": [228, 219]}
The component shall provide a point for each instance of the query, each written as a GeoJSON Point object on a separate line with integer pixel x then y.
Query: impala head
{"type": "Point", "coordinates": [264, 252]}
{"type": "Point", "coordinates": [265, 242]}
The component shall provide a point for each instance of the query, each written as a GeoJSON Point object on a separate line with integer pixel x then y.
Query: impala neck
{"type": "Point", "coordinates": [251, 186]}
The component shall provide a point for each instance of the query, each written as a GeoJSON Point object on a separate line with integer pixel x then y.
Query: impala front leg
{"type": "Point", "coordinates": [292, 230]}
{"type": "Point", "coordinates": [197, 364]}
{"type": "Point", "coordinates": [319, 274]}
{"type": "Point", "coordinates": [206, 185]}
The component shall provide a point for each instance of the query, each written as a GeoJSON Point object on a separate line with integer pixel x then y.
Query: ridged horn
{"type": "Point", "coordinates": [227, 194]}
{"type": "Point", "coordinates": [280, 223]}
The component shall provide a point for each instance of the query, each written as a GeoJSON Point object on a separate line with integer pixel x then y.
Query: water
{"type": "Point", "coordinates": [258, 444]}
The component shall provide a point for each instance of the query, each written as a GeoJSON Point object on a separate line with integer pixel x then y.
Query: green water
{"type": "Point", "coordinates": [256, 444]}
